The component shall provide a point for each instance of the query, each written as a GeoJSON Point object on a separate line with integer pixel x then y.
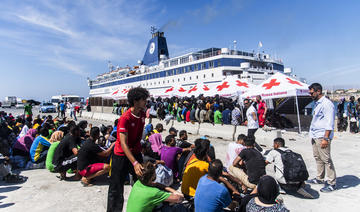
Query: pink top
{"type": "Point", "coordinates": [156, 142]}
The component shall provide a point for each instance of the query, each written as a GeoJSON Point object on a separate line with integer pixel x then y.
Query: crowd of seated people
{"type": "Point", "coordinates": [183, 173]}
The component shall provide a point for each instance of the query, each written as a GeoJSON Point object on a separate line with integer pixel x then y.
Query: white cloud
{"type": "Point", "coordinates": [44, 21]}
{"type": "Point", "coordinates": [78, 31]}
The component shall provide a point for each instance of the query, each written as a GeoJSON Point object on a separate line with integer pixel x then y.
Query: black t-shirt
{"type": "Point", "coordinates": [64, 150]}
{"type": "Point", "coordinates": [88, 154]}
{"type": "Point", "coordinates": [182, 144]}
{"type": "Point", "coordinates": [255, 164]}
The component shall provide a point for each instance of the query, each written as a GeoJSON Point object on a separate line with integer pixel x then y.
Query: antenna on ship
{"type": "Point", "coordinates": [234, 44]}
{"type": "Point", "coordinates": [110, 66]}
{"type": "Point", "coordinates": [153, 29]}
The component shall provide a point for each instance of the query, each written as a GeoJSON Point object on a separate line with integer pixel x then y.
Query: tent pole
{"type": "Point", "coordinates": [298, 114]}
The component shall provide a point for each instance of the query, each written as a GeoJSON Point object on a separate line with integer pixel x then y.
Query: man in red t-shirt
{"type": "Point", "coordinates": [127, 156]}
{"type": "Point", "coordinates": [261, 110]}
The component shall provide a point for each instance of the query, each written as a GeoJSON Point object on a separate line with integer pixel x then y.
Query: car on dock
{"type": "Point", "coordinates": [6, 104]}
{"type": "Point", "coordinates": [47, 108]}
{"type": "Point", "coordinates": [20, 105]}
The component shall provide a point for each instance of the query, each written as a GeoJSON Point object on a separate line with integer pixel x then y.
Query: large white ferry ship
{"type": "Point", "coordinates": [157, 71]}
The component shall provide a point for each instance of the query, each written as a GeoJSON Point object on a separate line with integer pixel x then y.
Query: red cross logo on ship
{"type": "Point", "coordinates": [117, 91]}
{"type": "Point", "coordinates": [125, 91]}
{"type": "Point", "coordinates": [294, 82]}
{"type": "Point", "coordinates": [240, 84]}
{"type": "Point", "coordinates": [169, 90]}
{"type": "Point", "coordinates": [222, 86]}
{"type": "Point", "coordinates": [193, 89]}
{"type": "Point", "coordinates": [182, 89]}
{"type": "Point", "coordinates": [271, 84]}
{"type": "Point", "coordinates": [206, 88]}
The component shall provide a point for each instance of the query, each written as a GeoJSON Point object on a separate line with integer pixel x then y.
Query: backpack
{"type": "Point", "coordinates": [294, 167]}
{"type": "Point", "coordinates": [164, 175]}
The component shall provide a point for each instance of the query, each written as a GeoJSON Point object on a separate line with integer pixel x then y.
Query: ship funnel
{"type": "Point", "coordinates": [157, 46]}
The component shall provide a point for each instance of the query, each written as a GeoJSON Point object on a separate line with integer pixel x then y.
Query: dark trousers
{"type": "Point", "coordinates": [353, 127]}
{"type": "Point", "coordinates": [251, 132]}
{"type": "Point", "coordinates": [342, 124]}
{"type": "Point", "coordinates": [66, 164]}
{"type": "Point", "coordinates": [120, 168]}
{"type": "Point", "coordinates": [63, 114]}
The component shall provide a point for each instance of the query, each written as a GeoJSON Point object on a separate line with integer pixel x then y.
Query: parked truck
{"type": "Point", "coordinates": [11, 99]}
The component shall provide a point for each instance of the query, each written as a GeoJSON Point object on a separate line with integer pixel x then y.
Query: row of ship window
{"type": "Point", "coordinates": [170, 81]}
{"type": "Point", "coordinates": [181, 70]}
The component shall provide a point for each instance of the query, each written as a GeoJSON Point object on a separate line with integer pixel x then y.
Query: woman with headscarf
{"type": "Point", "coordinates": [267, 191]}
{"type": "Point", "coordinates": [23, 144]}
{"type": "Point", "coordinates": [55, 139]}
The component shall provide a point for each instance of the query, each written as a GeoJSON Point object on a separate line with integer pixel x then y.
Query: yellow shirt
{"type": "Point", "coordinates": [36, 126]}
{"type": "Point", "coordinates": [192, 174]}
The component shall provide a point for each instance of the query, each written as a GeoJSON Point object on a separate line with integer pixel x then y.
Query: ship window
{"type": "Point", "coordinates": [173, 80]}
{"type": "Point", "coordinates": [168, 81]}
{"type": "Point", "coordinates": [195, 67]}
{"type": "Point", "coordinates": [204, 75]}
{"type": "Point", "coordinates": [190, 78]}
{"type": "Point", "coordinates": [178, 79]}
{"type": "Point", "coordinates": [212, 75]}
{"type": "Point", "coordinates": [184, 78]}
{"type": "Point", "coordinates": [163, 81]}
{"type": "Point", "coordinates": [211, 64]}
{"type": "Point", "coordinates": [203, 66]}
{"type": "Point", "coordinates": [197, 77]}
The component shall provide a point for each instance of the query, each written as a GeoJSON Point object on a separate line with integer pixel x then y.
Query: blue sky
{"type": "Point", "coordinates": [51, 47]}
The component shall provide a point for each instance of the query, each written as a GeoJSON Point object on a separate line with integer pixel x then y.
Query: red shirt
{"type": "Point", "coordinates": [187, 117]}
{"type": "Point", "coordinates": [134, 126]}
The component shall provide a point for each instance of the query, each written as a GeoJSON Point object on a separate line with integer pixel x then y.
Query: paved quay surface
{"type": "Point", "coordinates": [44, 192]}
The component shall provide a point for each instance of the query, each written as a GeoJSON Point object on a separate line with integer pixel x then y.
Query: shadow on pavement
{"type": "Point", "coordinates": [9, 188]}
{"type": "Point", "coordinates": [308, 188]}
{"type": "Point", "coordinates": [6, 205]}
{"type": "Point", "coordinates": [347, 181]}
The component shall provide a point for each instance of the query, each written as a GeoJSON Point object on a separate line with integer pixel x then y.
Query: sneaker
{"type": "Point", "coordinates": [305, 193]}
{"type": "Point", "coordinates": [315, 181]}
{"type": "Point", "coordinates": [282, 191]}
{"type": "Point", "coordinates": [328, 188]}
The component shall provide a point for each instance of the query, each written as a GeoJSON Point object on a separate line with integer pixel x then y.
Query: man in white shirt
{"type": "Point", "coordinates": [72, 110]}
{"type": "Point", "coordinates": [321, 134]}
{"type": "Point", "coordinates": [274, 158]}
{"type": "Point", "coordinates": [252, 121]}
{"type": "Point", "coordinates": [234, 149]}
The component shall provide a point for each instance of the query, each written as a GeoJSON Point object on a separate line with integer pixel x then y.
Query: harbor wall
{"type": "Point", "coordinates": [203, 129]}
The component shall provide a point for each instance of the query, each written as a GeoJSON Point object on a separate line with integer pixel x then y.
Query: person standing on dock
{"type": "Point", "coordinates": [321, 133]}
{"type": "Point", "coordinates": [127, 157]}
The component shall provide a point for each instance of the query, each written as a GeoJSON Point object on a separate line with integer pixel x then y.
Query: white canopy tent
{"type": "Point", "coordinates": [279, 86]}
{"type": "Point", "coordinates": [232, 86]}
